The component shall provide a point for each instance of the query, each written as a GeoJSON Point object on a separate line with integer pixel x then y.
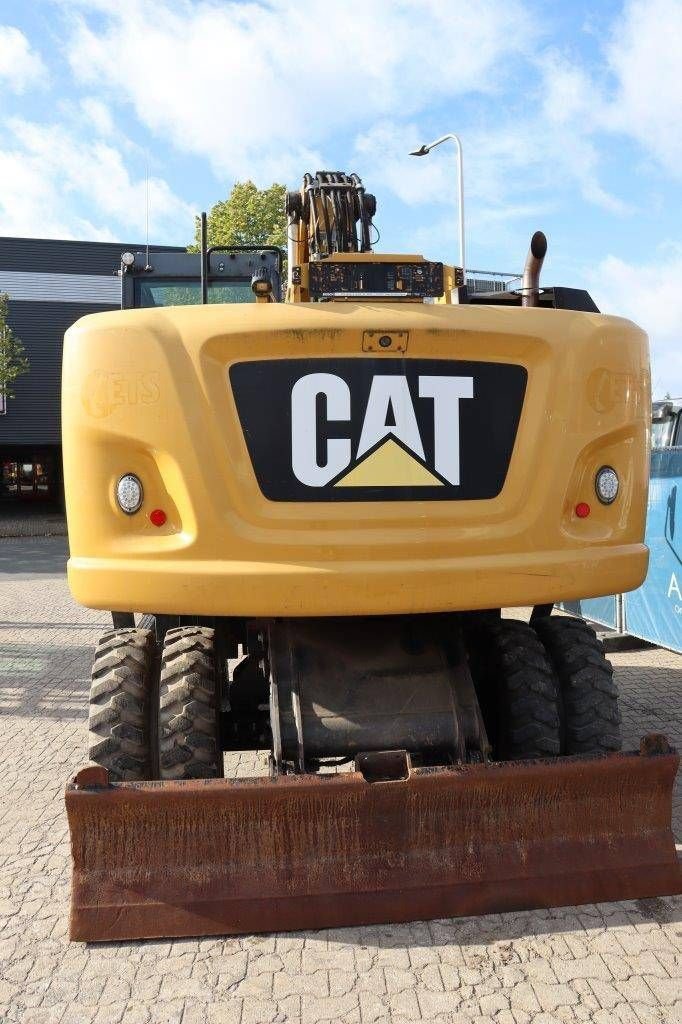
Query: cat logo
{"type": "Point", "coordinates": [390, 451]}
{"type": "Point", "coordinates": [366, 430]}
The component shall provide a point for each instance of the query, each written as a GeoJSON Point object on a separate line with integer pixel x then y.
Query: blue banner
{"type": "Point", "coordinates": [654, 611]}
{"type": "Point", "coordinates": [596, 609]}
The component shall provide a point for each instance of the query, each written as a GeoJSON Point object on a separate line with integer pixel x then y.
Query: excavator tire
{"type": "Point", "coordinates": [518, 690]}
{"type": "Point", "coordinates": [189, 706]}
{"type": "Point", "coordinates": [591, 717]}
{"type": "Point", "coordinates": [120, 691]}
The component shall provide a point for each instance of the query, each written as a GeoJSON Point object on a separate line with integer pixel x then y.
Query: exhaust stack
{"type": "Point", "coordinates": [531, 272]}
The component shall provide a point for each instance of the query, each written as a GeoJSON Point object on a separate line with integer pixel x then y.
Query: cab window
{"type": "Point", "coordinates": [179, 292]}
{"type": "Point", "coordinates": [662, 432]}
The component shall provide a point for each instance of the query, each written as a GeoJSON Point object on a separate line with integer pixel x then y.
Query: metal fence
{"type": "Point", "coordinates": [491, 281]}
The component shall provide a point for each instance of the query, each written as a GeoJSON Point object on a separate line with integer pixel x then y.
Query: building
{"type": "Point", "coordinates": [51, 284]}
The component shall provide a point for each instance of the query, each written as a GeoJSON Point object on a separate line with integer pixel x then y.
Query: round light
{"type": "Point", "coordinates": [582, 510]}
{"type": "Point", "coordinates": [157, 517]}
{"type": "Point", "coordinates": [129, 493]}
{"type": "Point", "coordinates": [606, 485]}
{"type": "Point", "coordinates": [127, 259]}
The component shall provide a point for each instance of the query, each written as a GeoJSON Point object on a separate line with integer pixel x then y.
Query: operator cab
{"type": "Point", "coordinates": [237, 274]}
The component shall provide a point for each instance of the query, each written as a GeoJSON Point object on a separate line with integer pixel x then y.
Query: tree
{"type": "Point", "coordinates": [13, 360]}
{"type": "Point", "coordinates": [249, 216]}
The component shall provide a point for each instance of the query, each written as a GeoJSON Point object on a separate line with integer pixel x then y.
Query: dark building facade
{"type": "Point", "coordinates": [51, 284]}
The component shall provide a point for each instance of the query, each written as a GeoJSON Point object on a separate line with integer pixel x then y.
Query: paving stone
{"type": "Point", "coordinates": [258, 1011]}
{"type": "Point", "coordinates": [665, 990]}
{"type": "Point", "coordinates": [372, 1008]}
{"type": "Point", "coordinates": [636, 990]}
{"type": "Point", "coordinates": [675, 1014]}
{"type": "Point", "coordinates": [329, 1008]}
{"type": "Point", "coordinates": [522, 997]}
{"type": "Point", "coordinates": [493, 1004]}
{"type": "Point", "coordinates": [649, 1014]}
{"type": "Point", "coordinates": [404, 1003]}
{"type": "Point", "coordinates": [626, 1014]}
{"type": "Point", "coordinates": [539, 969]}
{"type": "Point", "coordinates": [550, 997]}
{"type": "Point", "coordinates": [287, 984]}
{"type": "Point", "coordinates": [606, 994]}
{"type": "Point", "coordinates": [592, 966]}
{"type": "Point", "coordinates": [434, 1003]}
{"type": "Point", "coordinates": [224, 1011]}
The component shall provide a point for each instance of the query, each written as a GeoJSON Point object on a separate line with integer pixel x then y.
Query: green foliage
{"type": "Point", "coordinates": [13, 360]}
{"type": "Point", "coordinates": [249, 216]}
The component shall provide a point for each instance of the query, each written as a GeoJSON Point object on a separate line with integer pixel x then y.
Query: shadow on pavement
{"type": "Point", "coordinates": [498, 929]}
{"type": "Point", "coordinates": [16, 624]}
{"type": "Point", "coordinates": [39, 680]}
{"type": "Point", "coordinates": [34, 556]}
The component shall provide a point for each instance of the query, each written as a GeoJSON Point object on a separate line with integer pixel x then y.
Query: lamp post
{"type": "Point", "coordinates": [422, 151]}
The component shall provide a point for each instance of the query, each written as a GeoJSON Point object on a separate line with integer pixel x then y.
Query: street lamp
{"type": "Point", "coordinates": [422, 151]}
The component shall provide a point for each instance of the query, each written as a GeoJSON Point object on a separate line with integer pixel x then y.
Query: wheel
{"type": "Point", "coordinates": [189, 706]}
{"type": "Point", "coordinates": [517, 688]}
{"type": "Point", "coordinates": [122, 682]}
{"type": "Point", "coordinates": [589, 693]}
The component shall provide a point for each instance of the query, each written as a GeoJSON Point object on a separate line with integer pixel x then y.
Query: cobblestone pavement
{"type": "Point", "coordinates": [608, 963]}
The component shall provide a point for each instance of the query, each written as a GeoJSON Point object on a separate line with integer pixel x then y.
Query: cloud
{"type": "Point", "coordinates": [650, 294]}
{"type": "Point", "coordinates": [645, 56]}
{"type": "Point", "coordinates": [530, 157]}
{"type": "Point", "coordinates": [634, 92]}
{"type": "Point", "coordinates": [55, 184]}
{"type": "Point", "coordinates": [20, 66]}
{"type": "Point", "coordinates": [382, 154]}
{"type": "Point", "coordinates": [97, 115]}
{"type": "Point", "coordinates": [573, 119]}
{"type": "Point", "coordinates": [264, 89]}
{"type": "Point", "coordinates": [554, 138]}
{"type": "Point", "coordinates": [519, 170]}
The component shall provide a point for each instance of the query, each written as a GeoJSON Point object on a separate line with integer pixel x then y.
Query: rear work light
{"type": "Point", "coordinates": [606, 485]}
{"type": "Point", "coordinates": [129, 493]}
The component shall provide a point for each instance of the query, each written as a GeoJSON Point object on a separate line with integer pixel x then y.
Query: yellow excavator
{"type": "Point", "coordinates": [320, 507]}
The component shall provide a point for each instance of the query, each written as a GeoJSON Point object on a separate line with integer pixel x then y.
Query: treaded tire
{"type": "Point", "coordinates": [589, 694]}
{"type": "Point", "coordinates": [518, 690]}
{"type": "Point", "coordinates": [189, 706]}
{"type": "Point", "coordinates": [119, 710]}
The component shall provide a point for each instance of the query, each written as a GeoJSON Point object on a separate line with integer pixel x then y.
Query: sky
{"type": "Point", "coordinates": [570, 117]}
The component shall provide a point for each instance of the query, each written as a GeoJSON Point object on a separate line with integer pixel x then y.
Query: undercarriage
{"type": "Point", "coordinates": [417, 767]}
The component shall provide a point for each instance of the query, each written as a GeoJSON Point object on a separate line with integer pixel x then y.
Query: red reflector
{"type": "Point", "coordinates": [582, 510]}
{"type": "Point", "coordinates": [158, 517]}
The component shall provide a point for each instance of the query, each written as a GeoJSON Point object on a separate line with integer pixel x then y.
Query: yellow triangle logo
{"type": "Point", "coordinates": [389, 466]}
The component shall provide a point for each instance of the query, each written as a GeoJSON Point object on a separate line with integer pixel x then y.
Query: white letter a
{"type": "Point", "coordinates": [394, 392]}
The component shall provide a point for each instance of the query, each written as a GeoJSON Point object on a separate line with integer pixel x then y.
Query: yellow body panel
{"type": "Point", "coordinates": [147, 391]}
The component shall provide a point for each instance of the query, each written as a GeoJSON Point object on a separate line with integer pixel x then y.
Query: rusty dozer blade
{"type": "Point", "coordinates": [216, 857]}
